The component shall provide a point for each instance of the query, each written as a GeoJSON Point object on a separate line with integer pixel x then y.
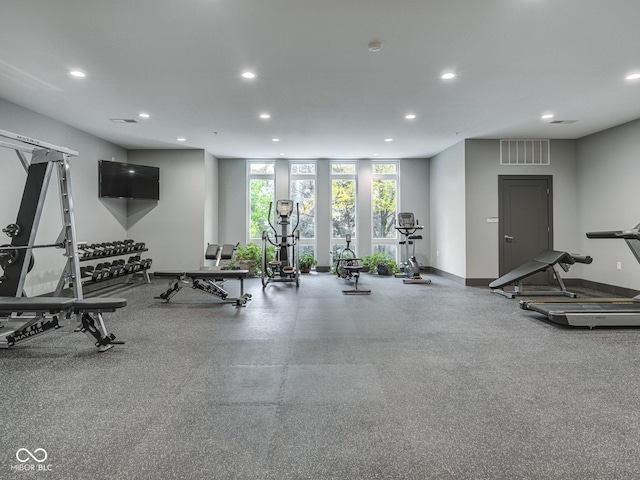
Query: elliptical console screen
{"type": "Point", "coordinates": [406, 220]}
{"type": "Point", "coordinates": [284, 207]}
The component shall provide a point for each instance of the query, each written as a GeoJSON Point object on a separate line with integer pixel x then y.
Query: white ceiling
{"type": "Point", "coordinates": [329, 97]}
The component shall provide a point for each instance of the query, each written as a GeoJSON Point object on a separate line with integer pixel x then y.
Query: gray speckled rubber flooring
{"type": "Point", "coordinates": [432, 381]}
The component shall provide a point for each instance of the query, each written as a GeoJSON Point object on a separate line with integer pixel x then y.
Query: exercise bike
{"type": "Point", "coordinates": [408, 226]}
{"type": "Point", "coordinates": [348, 266]}
{"type": "Point", "coordinates": [285, 266]}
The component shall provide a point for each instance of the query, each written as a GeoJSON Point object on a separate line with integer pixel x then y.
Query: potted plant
{"type": "Point", "coordinates": [382, 263]}
{"type": "Point", "coordinates": [306, 261]}
{"type": "Point", "coordinates": [247, 257]}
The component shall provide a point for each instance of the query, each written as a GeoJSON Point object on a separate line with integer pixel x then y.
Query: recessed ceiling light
{"type": "Point", "coordinates": [181, 139]}
{"type": "Point", "coordinates": [388, 139]}
{"type": "Point", "coordinates": [375, 154]}
{"type": "Point", "coordinates": [265, 116]}
{"type": "Point", "coordinates": [143, 115]}
{"type": "Point", "coordinates": [633, 76]}
{"type": "Point", "coordinates": [275, 139]}
{"type": "Point", "coordinates": [77, 73]}
{"type": "Point", "coordinates": [281, 154]}
{"type": "Point", "coordinates": [448, 76]}
{"type": "Point", "coordinates": [547, 116]}
{"type": "Point", "coordinates": [410, 116]}
{"type": "Point", "coordinates": [248, 75]}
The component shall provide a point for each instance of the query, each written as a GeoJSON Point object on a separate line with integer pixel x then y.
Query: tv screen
{"type": "Point", "coordinates": [126, 180]}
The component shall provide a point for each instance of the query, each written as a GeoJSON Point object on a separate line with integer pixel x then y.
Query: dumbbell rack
{"type": "Point", "coordinates": [105, 273]}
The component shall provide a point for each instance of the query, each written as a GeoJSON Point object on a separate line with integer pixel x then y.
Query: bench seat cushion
{"type": "Point", "coordinates": [35, 304]}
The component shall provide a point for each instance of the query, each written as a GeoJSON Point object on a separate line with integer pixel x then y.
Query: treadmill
{"type": "Point", "coordinates": [595, 312]}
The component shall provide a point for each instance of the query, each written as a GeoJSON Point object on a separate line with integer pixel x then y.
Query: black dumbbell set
{"type": "Point", "coordinates": [110, 249]}
{"type": "Point", "coordinates": [105, 270]}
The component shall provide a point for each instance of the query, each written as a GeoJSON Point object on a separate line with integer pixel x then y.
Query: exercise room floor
{"type": "Point", "coordinates": [432, 381]}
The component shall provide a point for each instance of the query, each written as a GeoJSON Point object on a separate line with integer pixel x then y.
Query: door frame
{"type": "Point", "coordinates": [501, 233]}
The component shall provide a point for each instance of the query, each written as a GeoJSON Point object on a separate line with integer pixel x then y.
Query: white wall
{"type": "Point", "coordinates": [232, 201]}
{"type": "Point", "coordinates": [94, 220]}
{"type": "Point", "coordinates": [448, 211]}
{"type": "Point", "coordinates": [174, 227]}
{"type": "Point", "coordinates": [210, 198]}
{"type": "Point", "coordinates": [608, 174]}
{"type": "Point", "coordinates": [482, 168]}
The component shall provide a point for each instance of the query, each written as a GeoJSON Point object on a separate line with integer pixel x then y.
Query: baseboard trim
{"type": "Point", "coordinates": [448, 276]}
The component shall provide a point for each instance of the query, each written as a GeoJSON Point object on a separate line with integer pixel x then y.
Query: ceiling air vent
{"type": "Point", "coordinates": [562, 122]}
{"type": "Point", "coordinates": [123, 120]}
{"type": "Point", "coordinates": [524, 152]}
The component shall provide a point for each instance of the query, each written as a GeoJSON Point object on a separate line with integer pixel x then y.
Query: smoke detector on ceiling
{"type": "Point", "coordinates": [375, 46]}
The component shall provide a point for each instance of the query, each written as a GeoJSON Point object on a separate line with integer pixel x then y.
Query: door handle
{"type": "Point", "coordinates": [508, 238]}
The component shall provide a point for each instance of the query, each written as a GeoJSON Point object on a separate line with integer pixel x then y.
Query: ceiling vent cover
{"type": "Point", "coordinates": [562, 122]}
{"type": "Point", "coordinates": [123, 120]}
{"type": "Point", "coordinates": [524, 152]}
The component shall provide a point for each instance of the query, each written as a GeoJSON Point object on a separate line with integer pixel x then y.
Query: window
{"type": "Point", "coordinates": [261, 192]}
{"type": "Point", "coordinates": [343, 204]}
{"type": "Point", "coordinates": [303, 191]}
{"type": "Point", "coordinates": [384, 207]}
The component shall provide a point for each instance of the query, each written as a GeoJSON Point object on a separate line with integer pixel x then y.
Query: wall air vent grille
{"type": "Point", "coordinates": [525, 152]}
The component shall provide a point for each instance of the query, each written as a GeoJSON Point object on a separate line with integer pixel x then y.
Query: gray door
{"type": "Point", "coordinates": [525, 206]}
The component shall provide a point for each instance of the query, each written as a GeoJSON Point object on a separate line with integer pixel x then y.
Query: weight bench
{"type": "Point", "coordinates": [46, 312]}
{"type": "Point", "coordinates": [208, 281]}
{"type": "Point", "coordinates": [354, 271]}
{"type": "Point", "coordinates": [541, 263]}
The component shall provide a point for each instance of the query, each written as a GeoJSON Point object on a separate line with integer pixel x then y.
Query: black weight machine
{"type": "Point", "coordinates": [26, 317]}
{"type": "Point", "coordinates": [545, 260]}
{"type": "Point", "coordinates": [408, 226]}
{"type": "Point", "coordinates": [285, 266]}
{"type": "Point", "coordinates": [348, 267]}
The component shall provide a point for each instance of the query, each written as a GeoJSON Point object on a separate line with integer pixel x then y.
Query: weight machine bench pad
{"type": "Point", "coordinates": [216, 274]}
{"type": "Point", "coordinates": [542, 262]}
{"type": "Point", "coordinates": [98, 304]}
{"type": "Point", "coordinates": [35, 304]}
{"type": "Point", "coordinates": [177, 274]}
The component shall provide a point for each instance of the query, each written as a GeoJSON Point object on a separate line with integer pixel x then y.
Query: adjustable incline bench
{"type": "Point", "coordinates": [208, 281]}
{"type": "Point", "coordinates": [46, 311]}
{"type": "Point", "coordinates": [541, 263]}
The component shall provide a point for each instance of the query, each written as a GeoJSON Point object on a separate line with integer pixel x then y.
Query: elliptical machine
{"type": "Point", "coordinates": [408, 226]}
{"type": "Point", "coordinates": [285, 266]}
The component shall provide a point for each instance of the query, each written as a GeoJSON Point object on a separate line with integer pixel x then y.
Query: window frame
{"type": "Point", "coordinates": [378, 241]}
{"type": "Point", "coordinates": [257, 176]}
{"type": "Point", "coordinates": [305, 241]}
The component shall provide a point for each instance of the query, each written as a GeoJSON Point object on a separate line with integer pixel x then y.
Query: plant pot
{"type": "Point", "coordinates": [305, 269]}
{"type": "Point", "coordinates": [382, 270]}
{"type": "Point", "coordinates": [248, 265]}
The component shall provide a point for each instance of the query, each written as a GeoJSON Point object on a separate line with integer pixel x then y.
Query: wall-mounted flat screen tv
{"type": "Point", "coordinates": [126, 180]}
